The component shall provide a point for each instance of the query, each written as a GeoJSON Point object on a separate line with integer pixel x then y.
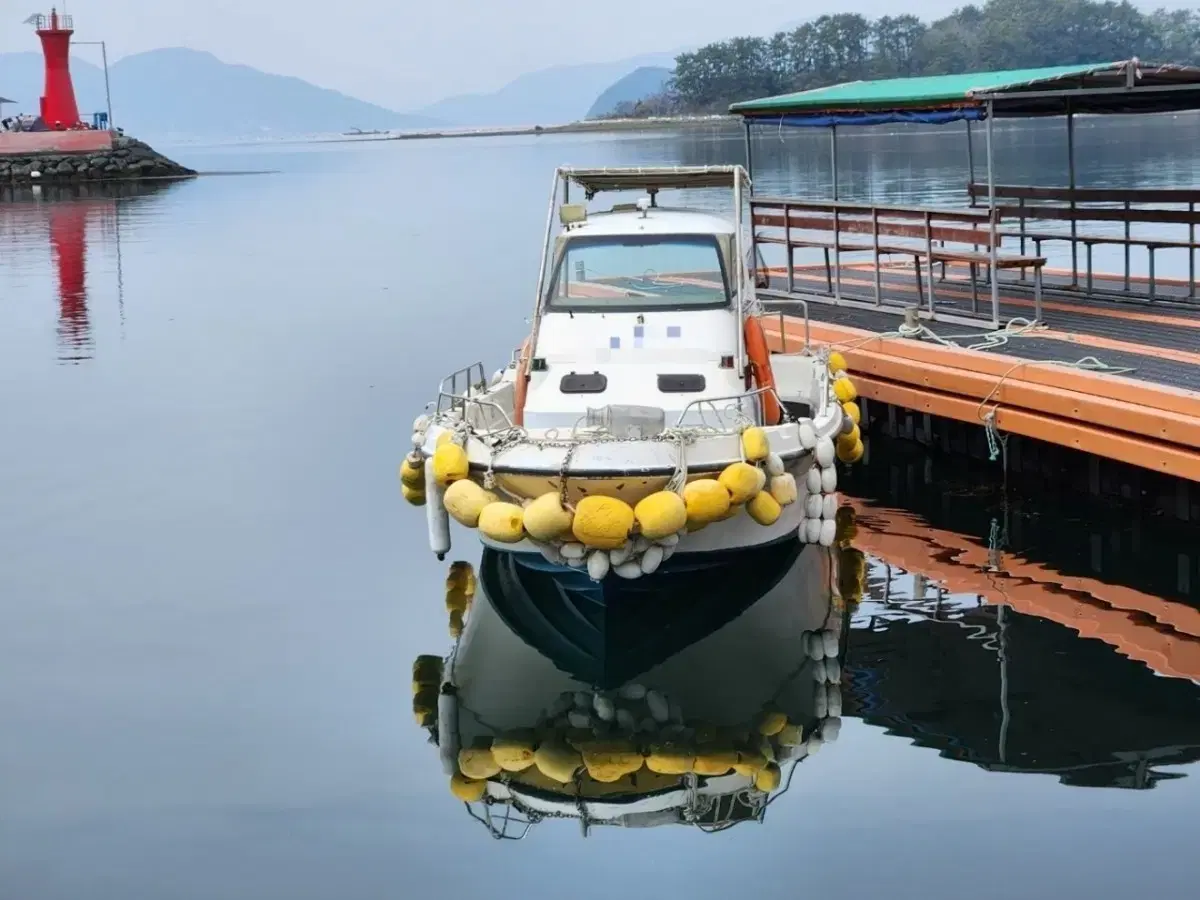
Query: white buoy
{"type": "Point", "coordinates": [818, 671]}
{"type": "Point", "coordinates": [658, 707]}
{"type": "Point", "coordinates": [828, 532]}
{"type": "Point", "coordinates": [551, 555]}
{"type": "Point", "coordinates": [813, 506]}
{"type": "Point", "coordinates": [606, 711]}
{"type": "Point", "coordinates": [674, 712]}
{"type": "Point", "coordinates": [629, 570]}
{"type": "Point", "coordinates": [421, 423]}
{"type": "Point", "coordinates": [820, 702]}
{"type": "Point", "coordinates": [621, 555]}
{"type": "Point", "coordinates": [632, 691]}
{"type": "Point", "coordinates": [651, 560]}
{"type": "Point", "coordinates": [830, 729]}
{"type": "Point", "coordinates": [562, 705]}
{"type": "Point", "coordinates": [578, 719]}
{"type": "Point", "coordinates": [812, 481]}
{"type": "Point", "coordinates": [670, 540]}
{"type": "Point", "coordinates": [816, 647]}
{"type": "Point", "coordinates": [813, 744]}
{"type": "Point", "coordinates": [570, 550]}
{"type": "Point", "coordinates": [829, 640]}
{"type": "Point", "coordinates": [597, 565]}
{"type": "Point", "coordinates": [647, 725]}
{"type": "Point", "coordinates": [847, 424]}
{"type": "Point", "coordinates": [625, 721]}
{"type": "Point", "coordinates": [828, 480]}
{"type": "Point", "coordinates": [576, 563]}
{"type": "Point", "coordinates": [668, 552]}
{"type": "Point", "coordinates": [833, 702]}
{"type": "Point", "coordinates": [833, 670]}
{"type": "Point", "coordinates": [807, 434]}
{"type": "Point", "coordinates": [447, 726]}
{"type": "Point", "coordinates": [812, 531]}
{"type": "Point", "coordinates": [774, 464]}
{"type": "Point", "coordinates": [418, 439]}
{"type": "Point", "coordinates": [436, 516]}
{"type": "Point", "coordinates": [829, 506]}
{"type": "Point", "coordinates": [825, 453]}
{"type": "Point", "coordinates": [640, 545]}
{"type": "Point", "coordinates": [582, 700]}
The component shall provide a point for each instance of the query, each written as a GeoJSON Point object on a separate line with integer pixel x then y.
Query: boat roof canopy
{"type": "Point", "coordinates": [654, 178]}
{"type": "Point", "coordinates": [1129, 86]}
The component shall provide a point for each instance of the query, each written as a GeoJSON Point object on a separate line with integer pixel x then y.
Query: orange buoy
{"type": "Point", "coordinates": [522, 382]}
{"type": "Point", "coordinates": [760, 368]}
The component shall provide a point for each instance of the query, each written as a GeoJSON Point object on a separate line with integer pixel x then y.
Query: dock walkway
{"type": "Point", "coordinates": [1141, 408]}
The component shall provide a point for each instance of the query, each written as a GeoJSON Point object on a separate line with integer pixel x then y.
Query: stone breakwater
{"type": "Point", "coordinates": [127, 160]}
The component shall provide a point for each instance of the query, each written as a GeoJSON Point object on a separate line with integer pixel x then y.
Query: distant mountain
{"type": "Point", "coordinates": [184, 93]}
{"type": "Point", "coordinates": [547, 97]}
{"type": "Point", "coordinates": [639, 84]}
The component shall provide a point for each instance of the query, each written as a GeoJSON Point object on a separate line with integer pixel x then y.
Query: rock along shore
{"type": "Point", "coordinates": [129, 159]}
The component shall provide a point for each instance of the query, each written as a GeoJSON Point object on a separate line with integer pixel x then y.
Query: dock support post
{"type": "Point", "coordinates": [837, 240]}
{"type": "Point", "coordinates": [749, 155]}
{"type": "Point", "coordinates": [970, 162]}
{"type": "Point", "coordinates": [991, 169]}
{"type": "Point", "coordinates": [1071, 185]}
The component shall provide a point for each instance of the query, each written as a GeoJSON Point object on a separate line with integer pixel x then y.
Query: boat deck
{"type": "Point", "coordinates": [1142, 407]}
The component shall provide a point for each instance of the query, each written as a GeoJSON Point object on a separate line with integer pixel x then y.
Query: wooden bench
{"type": "Point", "coordinates": [1076, 206]}
{"type": "Point", "coordinates": [927, 234]}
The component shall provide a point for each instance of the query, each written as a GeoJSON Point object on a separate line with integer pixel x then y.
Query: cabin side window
{"type": "Point", "coordinates": [639, 272]}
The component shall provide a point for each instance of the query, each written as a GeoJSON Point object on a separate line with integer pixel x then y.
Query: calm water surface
{"type": "Point", "coordinates": [211, 593]}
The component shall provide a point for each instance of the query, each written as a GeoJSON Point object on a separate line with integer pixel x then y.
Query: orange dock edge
{"type": "Point", "coordinates": [1139, 423]}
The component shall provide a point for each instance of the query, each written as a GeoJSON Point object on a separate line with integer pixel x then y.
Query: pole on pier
{"type": "Point", "coordinates": [991, 170]}
{"type": "Point", "coordinates": [833, 158]}
{"type": "Point", "coordinates": [749, 154]}
{"type": "Point", "coordinates": [1071, 185]}
{"type": "Point", "coordinates": [970, 159]}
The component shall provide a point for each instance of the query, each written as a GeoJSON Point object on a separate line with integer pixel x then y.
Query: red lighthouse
{"type": "Point", "coordinates": [59, 110]}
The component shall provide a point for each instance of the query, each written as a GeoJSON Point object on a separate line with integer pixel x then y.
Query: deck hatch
{"type": "Point", "coordinates": [681, 384]}
{"type": "Point", "coordinates": [586, 383]}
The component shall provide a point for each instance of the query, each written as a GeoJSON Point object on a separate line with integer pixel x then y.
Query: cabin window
{"type": "Point", "coordinates": [681, 384]}
{"type": "Point", "coordinates": [639, 272]}
{"type": "Point", "coordinates": [587, 383]}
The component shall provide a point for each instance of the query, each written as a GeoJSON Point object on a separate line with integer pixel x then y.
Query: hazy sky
{"type": "Point", "coordinates": [405, 54]}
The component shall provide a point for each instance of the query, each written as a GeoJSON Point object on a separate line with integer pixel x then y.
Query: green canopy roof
{"type": "Point", "coordinates": [1095, 87]}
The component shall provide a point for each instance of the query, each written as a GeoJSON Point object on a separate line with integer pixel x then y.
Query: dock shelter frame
{"type": "Point", "coordinates": [1124, 87]}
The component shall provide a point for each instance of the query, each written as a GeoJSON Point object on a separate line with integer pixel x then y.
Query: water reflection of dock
{"type": "Point", "coordinates": [65, 217]}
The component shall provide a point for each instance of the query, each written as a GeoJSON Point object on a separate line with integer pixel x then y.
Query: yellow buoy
{"type": "Point", "coordinates": [461, 577]}
{"type": "Point", "coordinates": [837, 362]}
{"type": "Point", "coordinates": [427, 671]}
{"type": "Point", "coordinates": [457, 599]}
{"type": "Point", "coordinates": [741, 480]}
{"type": "Point", "coordinates": [444, 438]}
{"type": "Point", "coordinates": [412, 495]}
{"type": "Point", "coordinates": [706, 500]}
{"type": "Point", "coordinates": [764, 509]}
{"type": "Point", "coordinates": [670, 759]}
{"type": "Point", "coordinates": [478, 763]}
{"type": "Point", "coordinates": [425, 705]}
{"type": "Point", "coordinates": [502, 522]}
{"type": "Point", "coordinates": [768, 779]}
{"type": "Point", "coordinates": [468, 790]}
{"type": "Point", "coordinates": [850, 438]}
{"type": "Point", "coordinates": [750, 763]}
{"type": "Point", "coordinates": [844, 390]}
{"type": "Point", "coordinates": [602, 522]}
{"type": "Point", "coordinates": [456, 623]}
{"type": "Point", "coordinates": [850, 454]}
{"type": "Point", "coordinates": [465, 500]}
{"type": "Point", "coordinates": [609, 761]}
{"type": "Point", "coordinates": [545, 518]}
{"type": "Point", "coordinates": [412, 472]}
{"type": "Point", "coordinates": [661, 514]}
{"type": "Point", "coordinates": [513, 753]}
{"type": "Point", "coordinates": [450, 464]}
{"type": "Point", "coordinates": [734, 509]}
{"type": "Point", "coordinates": [851, 409]}
{"type": "Point", "coordinates": [771, 723]}
{"type": "Point", "coordinates": [713, 762]}
{"type": "Point", "coordinates": [557, 761]}
{"type": "Point", "coordinates": [790, 736]}
{"type": "Point", "coordinates": [755, 444]}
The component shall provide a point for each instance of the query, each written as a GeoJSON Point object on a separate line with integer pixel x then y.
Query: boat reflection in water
{"type": "Point", "coordinates": [689, 703]}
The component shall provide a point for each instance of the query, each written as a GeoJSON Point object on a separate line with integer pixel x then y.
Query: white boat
{"type": "Point", "coordinates": [645, 399]}
{"type": "Point", "coordinates": [741, 690]}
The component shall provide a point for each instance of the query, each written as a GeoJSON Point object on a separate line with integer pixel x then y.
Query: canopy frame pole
{"type": "Point", "coordinates": [837, 239]}
{"type": "Point", "coordinates": [992, 237]}
{"type": "Point", "coordinates": [749, 154]}
{"type": "Point", "coordinates": [970, 159]}
{"type": "Point", "coordinates": [1071, 185]}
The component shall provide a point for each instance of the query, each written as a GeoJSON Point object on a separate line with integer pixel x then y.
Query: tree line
{"type": "Point", "coordinates": [1000, 34]}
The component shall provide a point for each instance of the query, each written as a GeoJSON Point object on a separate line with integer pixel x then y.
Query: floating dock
{"type": "Point", "coordinates": [1140, 406]}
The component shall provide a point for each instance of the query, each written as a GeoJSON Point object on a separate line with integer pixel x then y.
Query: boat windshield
{"type": "Point", "coordinates": [615, 272]}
